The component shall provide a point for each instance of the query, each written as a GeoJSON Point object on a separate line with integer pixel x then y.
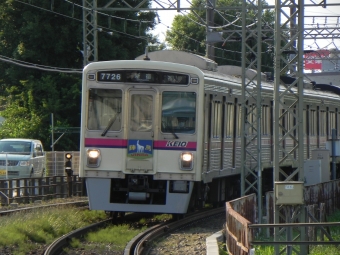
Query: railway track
{"type": "Point", "coordinates": [141, 244]}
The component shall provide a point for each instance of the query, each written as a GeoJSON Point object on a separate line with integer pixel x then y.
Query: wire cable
{"type": "Point", "coordinates": [39, 67]}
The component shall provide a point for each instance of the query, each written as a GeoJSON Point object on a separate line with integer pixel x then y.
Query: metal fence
{"type": "Point", "coordinates": [240, 213]}
{"type": "Point", "coordinates": [55, 162]}
{"type": "Point", "coordinates": [27, 190]}
{"type": "Point", "coordinates": [242, 218]}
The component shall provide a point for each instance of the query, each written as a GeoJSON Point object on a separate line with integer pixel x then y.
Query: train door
{"type": "Point", "coordinates": [141, 128]}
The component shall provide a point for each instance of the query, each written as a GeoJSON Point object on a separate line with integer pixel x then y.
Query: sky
{"type": "Point", "coordinates": [166, 18]}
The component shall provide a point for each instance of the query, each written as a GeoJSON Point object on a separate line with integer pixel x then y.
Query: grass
{"type": "Point", "coordinates": [313, 249]}
{"type": "Point", "coordinates": [23, 232]}
{"type": "Point", "coordinates": [112, 238]}
{"type": "Point", "coordinates": [32, 231]}
{"type": "Point", "coordinates": [222, 249]}
{"type": "Point", "coordinates": [116, 237]}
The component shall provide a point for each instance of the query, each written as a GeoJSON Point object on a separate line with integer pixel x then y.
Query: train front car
{"type": "Point", "coordinates": [141, 135]}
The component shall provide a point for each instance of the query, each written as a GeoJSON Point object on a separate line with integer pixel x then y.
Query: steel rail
{"type": "Point", "coordinates": [142, 242]}
{"type": "Point", "coordinates": [63, 241]}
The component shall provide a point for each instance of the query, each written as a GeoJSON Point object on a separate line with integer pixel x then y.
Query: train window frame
{"type": "Point", "coordinates": [312, 122]}
{"type": "Point", "coordinates": [322, 122]}
{"type": "Point", "coordinates": [178, 122]}
{"type": "Point", "coordinates": [99, 115]}
{"type": "Point", "coordinates": [331, 122]}
{"type": "Point", "coordinates": [217, 119]}
{"type": "Point", "coordinates": [141, 114]}
{"type": "Point", "coordinates": [230, 119]}
{"type": "Point", "coordinates": [265, 120]}
{"type": "Point", "coordinates": [304, 121]}
{"type": "Point", "coordinates": [238, 113]}
{"type": "Point", "coordinates": [250, 119]}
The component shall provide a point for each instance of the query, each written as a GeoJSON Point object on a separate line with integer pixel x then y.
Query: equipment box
{"type": "Point", "coordinates": [289, 193]}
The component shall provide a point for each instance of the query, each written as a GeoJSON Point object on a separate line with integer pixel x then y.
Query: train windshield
{"type": "Point", "coordinates": [105, 106]}
{"type": "Point", "coordinates": [141, 113]}
{"type": "Point", "coordinates": [178, 112]}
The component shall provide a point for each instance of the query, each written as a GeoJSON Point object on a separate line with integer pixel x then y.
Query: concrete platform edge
{"type": "Point", "coordinates": [212, 243]}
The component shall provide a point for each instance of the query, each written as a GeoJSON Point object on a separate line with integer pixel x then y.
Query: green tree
{"type": "Point", "coordinates": [50, 33]}
{"type": "Point", "coordinates": [189, 32]}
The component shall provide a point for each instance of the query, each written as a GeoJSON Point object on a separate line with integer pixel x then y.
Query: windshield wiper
{"type": "Point", "coordinates": [173, 132]}
{"type": "Point", "coordinates": [109, 125]}
{"type": "Point", "coordinates": [174, 135]}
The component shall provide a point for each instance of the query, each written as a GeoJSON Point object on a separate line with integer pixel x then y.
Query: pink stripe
{"type": "Point", "coordinates": [169, 144]}
{"type": "Point", "coordinates": [105, 142]}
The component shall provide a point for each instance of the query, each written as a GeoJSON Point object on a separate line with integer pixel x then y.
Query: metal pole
{"type": "Point", "coordinates": [52, 135]}
{"type": "Point", "coordinates": [210, 50]}
{"type": "Point", "coordinates": [333, 154]}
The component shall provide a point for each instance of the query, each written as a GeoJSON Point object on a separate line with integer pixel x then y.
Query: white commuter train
{"type": "Point", "coordinates": [163, 135]}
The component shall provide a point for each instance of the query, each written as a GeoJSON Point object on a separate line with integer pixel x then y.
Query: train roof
{"type": "Point", "coordinates": [211, 69]}
{"type": "Point", "coordinates": [181, 57]}
{"type": "Point", "coordinates": [203, 63]}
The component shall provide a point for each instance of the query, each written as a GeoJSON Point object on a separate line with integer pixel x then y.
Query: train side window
{"type": "Point", "coordinates": [331, 123]}
{"type": "Point", "coordinates": [304, 122]}
{"type": "Point", "coordinates": [239, 120]}
{"type": "Point", "coordinates": [289, 123]}
{"type": "Point", "coordinates": [250, 119]}
{"type": "Point", "coordinates": [322, 122]}
{"type": "Point", "coordinates": [312, 123]}
{"type": "Point", "coordinates": [217, 124]}
{"type": "Point", "coordinates": [229, 119]}
{"type": "Point", "coordinates": [265, 120]}
{"type": "Point", "coordinates": [178, 112]}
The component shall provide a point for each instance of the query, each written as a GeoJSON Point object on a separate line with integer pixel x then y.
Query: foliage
{"type": "Point", "coordinates": [52, 36]}
{"type": "Point", "coordinates": [188, 33]}
{"type": "Point", "coordinates": [222, 248]}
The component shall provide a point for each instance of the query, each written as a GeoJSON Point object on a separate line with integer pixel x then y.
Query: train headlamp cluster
{"type": "Point", "coordinates": [93, 157]}
{"type": "Point", "coordinates": [187, 161]}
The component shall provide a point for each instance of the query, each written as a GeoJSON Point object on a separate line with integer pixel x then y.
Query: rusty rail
{"type": "Point", "coordinates": [143, 242]}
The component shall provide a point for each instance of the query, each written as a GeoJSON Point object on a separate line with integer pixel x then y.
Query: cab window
{"type": "Point", "coordinates": [178, 112]}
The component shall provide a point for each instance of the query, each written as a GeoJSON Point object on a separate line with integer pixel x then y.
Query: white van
{"type": "Point", "coordinates": [20, 158]}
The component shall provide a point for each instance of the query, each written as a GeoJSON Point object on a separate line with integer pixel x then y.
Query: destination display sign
{"type": "Point", "coordinates": [138, 76]}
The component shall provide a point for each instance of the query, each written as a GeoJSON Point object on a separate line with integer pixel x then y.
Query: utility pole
{"type": "Point", "coordinates": [288, 105]}
{"type": "Point", "coordinates": [90, 32]}
{"type": "Point", "coordinates": [210, 51]}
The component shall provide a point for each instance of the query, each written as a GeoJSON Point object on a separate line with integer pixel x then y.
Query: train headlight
{"type": "Point", "coordinates": [187, 161]}
{"type": "Point", "coordinates": [93, 157]}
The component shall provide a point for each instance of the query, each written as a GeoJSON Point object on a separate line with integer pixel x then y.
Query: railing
{"type": "Point", "coordinates": [242, 221]}
{"type": "Point", "coordinates": [28, 190]}
{"type": "Point", "coordinates": [240, 213]}
{"type": "Point", "coordinates": [55, 162]}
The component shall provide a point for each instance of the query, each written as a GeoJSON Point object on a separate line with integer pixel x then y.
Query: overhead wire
{"type": "Point", "coordinates": [110, 29]}
{"type": "Point", "coordinates": [130, 35]}
{"type": "Point", "coordinates": [111, 16]}
{"type": "Point", "coordinates": [134, 36]}
{"type": "Point", "coordinates": [80, 20]}
{"type": "Point", "coordinates": [39, 67]}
